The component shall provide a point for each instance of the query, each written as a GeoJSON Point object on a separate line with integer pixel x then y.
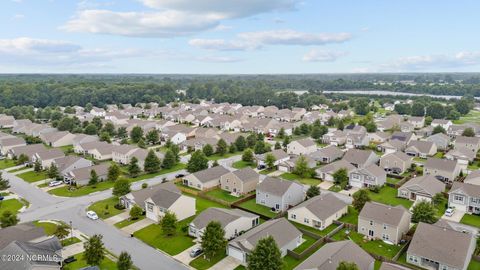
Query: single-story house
{"type": "Point", "coordinates": [205, 179]}
{"type": "Point", "coordinates": [361, 158]}
{"type": "Point", "coordinates": [327, 154]}
{"type": "Point", "coordinates": [421, 188]}
{"type": "Point", "coordinates": [81, 176]}
{"type": "Point", "coordinates": [326, 172]}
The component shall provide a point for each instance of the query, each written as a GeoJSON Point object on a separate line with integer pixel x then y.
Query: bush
{"type": "Point", "coordinates": [118, 206]}
{"type": "Point", "coordinates": [144, 185]}
{"type": "Point", "coordinates": [375, 189]}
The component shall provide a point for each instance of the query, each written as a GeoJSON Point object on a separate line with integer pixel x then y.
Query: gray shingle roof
{"type": "Point", "coordinates": [428, 183]}
{"type": "Point", "coordinates": [382, 213]}
{"type": "Point", "coordinates": [222, 215]}
{"type": "Point", "coordinates": [441, 164]}
{"type": "Point", "coordinates": [247, 175]}
{"type": "Point", "coordinates": [22, 232]}
{"type": "Point", "coordinates": [323, 206]}
{"type": "Point", "coordinates": [275, 186]}
{"type": "Point", "coordinates": [139, 196]}
{"type": "Point", "coordinates": [210, 174]}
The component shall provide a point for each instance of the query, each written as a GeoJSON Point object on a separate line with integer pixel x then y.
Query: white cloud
{"type": "Point", "coordinates": [18, 17]}
{"type": "Point", "coordinates": [170, 17]}
{"type": "Point", "coordinates": [433, 62]}
{"type": "Point", "coordinates": [256, 40]}
{"type": "Point", "coordinates": [218, 59]}
{"type": "Point", "coordinates": [316, 55]}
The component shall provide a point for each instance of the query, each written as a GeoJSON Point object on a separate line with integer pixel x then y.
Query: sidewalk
{"type": "Point", "coordinates": [130, 229]}
{"type": "Point", "coordinates": [227, 263]}
{"type": "Point", "coordinates": [117, 218]}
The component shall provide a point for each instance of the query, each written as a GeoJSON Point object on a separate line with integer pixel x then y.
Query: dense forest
{"type": "Point", "coordinates": [69, 90]}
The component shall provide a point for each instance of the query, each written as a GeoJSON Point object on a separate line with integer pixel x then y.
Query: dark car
{"type": "Point", "coordinates": [69, 260]}
{"type": "Point", "coordinates": [180, 175]}
{"type": "Point", "coordinates": [1, 198]}
{"type": "Point", "coordinates": [347, 187]}
{"type": "Point", "coordinates": [261, 167]}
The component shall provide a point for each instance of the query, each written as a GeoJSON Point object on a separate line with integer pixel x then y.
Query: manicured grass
{"type": "Point", "coordinates": [223, 195]}
{"type": "Point", "coordinates": [392, 180]}
{"type": "Point", "coordinates": [438, 155]}
{"type": "Point", "coordinates": [99, 208]}
{"type": "Point", "coordinates": [33, 176]}
{"type": "Point", "coordinates": [6, 163]}
{"type": "Point", "coordinates": [266, 171]}
{"type": "Point", "coordinates": [66, 149]}
{"type": "Point", "coordinates": [313, 230]}
{"type": "Point", "coordinates": [70, 241]}
{"type": "Point", "coordinates": [153, 236]}
{"type": "Point", "coordinates": [335, 188]}
{"type": "Point", "coordinates": [472, 220]}
{"type": "Point", "coordinates": [12, 205]}
{"type": "Point", "coordinates": [49, 227]}
{"type": "Point", "coordinates": [351, 217]}
{"type": "Point", "coordinates": [388, 195]}
{"type": "Point", "coordinates": [18, 169]}
{"type": "Point", "coordinates": [127, 222]}
{"type": "Point", "coordinates": [227, 155]}
{"type": "Point", "coordinates": [471, 117]}
{"type": "Point", "coordinates": [240, 267]}
{"type": "Point", "coordinates": [257, 208]}
{"type": "Point", "coordinates": [201, 204]}
{"type": "Point", "coordinates": [106, 264]}
{"type": "Point", "coordinates": [177, 167]}
{"type": "Point", "coordinates": [474, 265]}
{"type": "Point", "coordinates": [377, 265]}
{"type": "Point", "coordinates": [376, 246]}
{"type": "Point", "coordinates": [202, 263]}
{"type": "Point", "coordinates": [242, 164]}
{"type": "Point", "coordinates": [305, 181]}
{"type": "Point", "coordinates": [308, 241]}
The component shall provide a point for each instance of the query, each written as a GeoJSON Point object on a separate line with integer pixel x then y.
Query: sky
{"type": "Point", "coordinates": [239, 36]}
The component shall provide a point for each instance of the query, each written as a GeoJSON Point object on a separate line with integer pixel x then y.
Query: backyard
{"type": "Point", "coordinates": [260, 209]}
{"type": "Point", "coordinates": [472, 220]}
{"type": "Point", "coordinates": [242, 164]}
{"type": "Point", "coordinates": [388, 195]}
{"type": "Point", "coordinates": [306, 181]}
{"type": "Point", "coordinates": [351, 217]}
{"type": "Point", "coordinates": [222, 195]}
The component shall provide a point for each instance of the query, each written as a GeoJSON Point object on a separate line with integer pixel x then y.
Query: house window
{"type": "Point", "coordinates": [385, 226]}
{"type": "Point", "coordinates": [293, 216]}
{"type": "Point", "coordinates": [458, 198]}
{"type": "Point", "coordinates": [475, 200]}
{"type": "Point", "coordinates": [385, 237]}
{"type": "Point", "coordinates": [370, 232]}
{"type": "Point", "coordinates": [306, 220]}
{"type": "Point", "coordinates": [150, 207]}
{"type": "Point", "coordinates": [371, 222]}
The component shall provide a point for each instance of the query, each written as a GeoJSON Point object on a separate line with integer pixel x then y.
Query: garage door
{"type": "Point", "coordinates": [235, 253]}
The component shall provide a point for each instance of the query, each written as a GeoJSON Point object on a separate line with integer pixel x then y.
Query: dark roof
{"type": "Point", "coordinates": [22, 232]}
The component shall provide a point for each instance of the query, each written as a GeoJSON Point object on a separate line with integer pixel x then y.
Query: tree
{"type": "Point", "coordinates": [124, 261]}
{"type": "Point", "coordinates": [438, 199]}
{"type": "Point", "coordinates": [347, 266]}
{"type": "Point", "coordinates": [281, 133]}
{"type": "Point", "coordinates": [463, 105]}
{"type": "Point", "coordinates": [371, 126]}
{"type": "Point", "coordinates": [105, 137]}
{"type": "Point", "coordinates": [113, 172]}
{"type": "Point", "coordinates": [468, 132]}
{"type": "Point", "coordinates": [222, 147]}
{"type": "Point", "coordinates": [360, 198]}
{"type": "Point", "coordinates": [340, 177]}
{"type": "Point", "coordinates": [62, 231]}
{"type": "Point", "coordinates": [278, 146]}
{"type": "Point", "coordinates": [136, 134]}
{"type": "Point", "coordinates": [8, 219]}
{"type": "Point", "coordinates": [436, 110]}
{"type": "Point", "coordinates": [286, 141]}
{"type": "Point", "coordinates": [301, 167]}
{"type": "Point", "coordinates": [152, 136]}
{"type": "Point", "coordinates": [424, 212]}
{"type": "Point", "coordinates": [4, 183]}
{"type": "Point", "coordinates": [340, 125]}
{"type": "Point", "coordinates": [418, 109]}
{"type": "Point", "coordinates": [265, 255]}
{"type": "Point", "coordinates": [93, 178]}
{"type": "Point", "coordinates": [240, 143]}
{"type": "Point", "coordinates": [37, 166]}
{"type": "Point", "coordinates": [313, 191]}
{"type": "Point", "coordinates": [169, 224]}
{"type": "Point", "coordinates": [53, 171]}
{"type": "Point", "coordinates": [109, 128]}
{"type": "Point", "coordinates": [91, 129]}
{"type": "Point", "coordinates": [207, 150]}
{"type": "Point", "coordinates": [133, 168]}
{"type": "Point", "coordinates": [270, 160]}
{"type": "Point", "coordinates": [121, 187]}
{"type": "Point", "coordinates": [213, 239]}
{"type": "Point", "coordinates": [169, 160]}
{"type": "Point", "coordinates": [318, 132]}
{"type": "Point", "coordinates": [152, 162]}
{"type": "Point", "coordinates": [94, 250]}
{"type": "Point", "coordinates": [176, 151]}
{"type": "Point", "coordinates": [438, 129]}
{"type": "Point", "coordinates": [251, 140]}
{"type": "Point", "coordinates": [136, 212]}
{"type": "Point", "coordinates": [232, 148]}
{"type": "Point", "coordinates": [247, 155]}
{"type": "Point", "coordinates": [22, 159]}
{"type": "Point", "coordinates": [122, 132]}
{"type": "Point", "coordinates": [198, 161]}
{"type": "Point", "coordinates": [141, 143]}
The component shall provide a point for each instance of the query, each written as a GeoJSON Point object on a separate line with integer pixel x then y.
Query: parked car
{"type": "Point", "coordinates": [196, 252]}
{"type": "Point", "coordinates": [1, 198]}
{"type": "Point", "coordinates": [347, 187]}
{"type": "Point", "coordinates": [449, 212]}
{"type": "Point", "coordinates": [180, 175]}
{"type": "Point", "coordinates": [55, 183]}
{"type": "Point", "coordinates": [261, 167]}
{"type": "Point", "coordinates": [92, 215]}
{"type": "Point", "coordinates": [69, 260]}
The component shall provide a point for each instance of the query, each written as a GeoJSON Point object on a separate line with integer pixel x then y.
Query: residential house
{"type": "Point", "coordinates": [327, 154]}
{"type": "Point", "coordinates": [405, 137]}
{"type": "Point", "coordinates": [168, 200]}
{"type": "Point", "coordinates": [23, 232]}
{"type": "Point", "coordinates": [473, 178]}
{"type": "Point", "coordinates": [81, 176]}
{"type": "Point", "coordinates": [326, 172]}
{"type": "Point", "coordinates": [329, 256]}
{"type": "Point", "coordinates": [240, 182]}
{"type": "Point", "coordinates": [9, 142]}
{"type": "Point", "coordinates": [378, 137]}
{"type": "Point", "coordinates": [198, 143]}
{"type": "Point", "coordinates": [289, 165]}
{"type": "Point", "coordinates": [368, 176]}
{"type": "Point", "coordinates": [46, 157]}
{"type": "Point", "coordinates": [443, 169]}
{"type": "Point", "coordinates": [464, 197]}
{"type": "Point", "coordinates": [422, 188]}
{"type": "Point", "coordinates": [58, 138]}
{"type": "Point", "coordinates": [318, 212]}
{"type": "Point", "coordinates": [233, 221]}
{"type": "Point", "coordinates": [441, 140]}
{"type": "Point", "coordinates": [471, 143]}
{"type": "Point", "coordinates": [84, 138]}
{"type": "Point", "coordinates": [434, 247]}
{"type": "Point", "coordinates": [99, 112]}
{"type": "Point", "coordinates": [445, 124]}
{"type": "Point", "coordinates": [384, 222]}
{"type": "Point", "coordinates": [421, 149]}
{"type": "Point", "coordinates": [69, 163]}
{"type": "Point", "coordinates": [392, 146]}
{"type": "Point", "coordinates": [301, 147]}
{"type": "Point", "coordinates": [286, 236]}
{"type": "Point", "coordinates": [395, 163]}
{"type": "Point", "coordinates": [98, 150]}
{"type": "Point", "coordinates": [336, 138]}
{"type": "Point", "coordinates": [279, 194]}
{"type": "Point", "coordinates": [27, 150]}
{"type": "Point", "coordinates": [462, 155]}
{"type": "Point", "coordinates": [46, 254]}
{"type": "Point", "coordinates": [360, 158]}
{"type": "Point", "coordinates": [357, 140]}
{"type": "Point", "coordinates": [205, 179]}
{"type": "Point", "coordinates": [6, 121]}
{"type": "Point", "coordinates": [417, 121]}
{"type": "Point", "coordinates": [279, 154]}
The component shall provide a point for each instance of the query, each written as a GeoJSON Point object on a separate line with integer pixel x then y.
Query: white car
{"type": "Point", "coordinates": [92, 215]}
{"type": "Point", "coordinates": [449, 212]}
{"type": "Point", "coordinates": [55, 183]}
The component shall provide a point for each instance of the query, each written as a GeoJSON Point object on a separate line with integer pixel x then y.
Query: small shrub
{"type": "Point", "coordinates": [144, 185]}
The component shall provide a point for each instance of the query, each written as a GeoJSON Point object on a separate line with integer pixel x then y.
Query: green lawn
{"type": "Point", "coordinates": [471, 117]}
{"type": "Point", "coordinates": [351, 217]}
{"type": "Point", "coordinates": [305, 181]}
{"type": "Point", "coordinates": [70, 241]}
{"type": "Point", "coordinates": [266, 171]}
{"type": "Point", "coordinates": [419, 159]}
{"type": "Point", "coordinates": [202, 263]}
{"type": "Point", "coordinates": [474, 265]}
{"type": "Point", "coordinates": [127, 222]}
{"type": "Point", "coordinates": [12, 205]}
{"type": "Point", "coordinates": [99, 208]}
{"type": "Point", "coordinates": [18, 169]}
{"type": "Point", "coordinates": [153, 236]}
{"type": "Point", "coordinates": [33, 176]}
{"type": "Point", "coordinates": [313, 230]}
{"type": "Point", "coordinates": [66, 149]}
{"type": "Point", "coordinates": [106, 264]}
{"type": "Point", "coordinates": [227, 155]}
{"type": "Point", "coordinates": [49, 227]}
{"type": "Point", "coordinates": [306, 244]}
{"type": "Point", "coordinates": [472, 220]}
{"type": "Point", "coordinates": [335, 188]}
{"type": "Point", "coordinates": [376, 246]}
{"type": "Point", "coordinates": [388, 195]}
{"type": "Point", "coordinates": [201, 204]}
{"type": "Point", "coordinates": [6, 163]}
{"type": "Point", "coordinates": [392, 180]}
{"type": "Point", "coordinates": [242, 164]}
{"type": "Point", "coordinates": [222, 195]}
{"type": "Point", "coordinates": [257, 208]}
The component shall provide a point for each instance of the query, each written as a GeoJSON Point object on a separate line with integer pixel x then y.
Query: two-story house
{"type": "Point", "coordinates": [279, 194]}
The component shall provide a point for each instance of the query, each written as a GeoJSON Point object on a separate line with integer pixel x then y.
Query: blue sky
{"type": "Point", "coordinates": [238, 36]}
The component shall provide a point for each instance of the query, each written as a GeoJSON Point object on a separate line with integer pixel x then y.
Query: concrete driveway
{"type": "Point", "coordinates": [457, 216]}
{"type": "Point", "coordinates": [184, 256]}
{"type": "Point", "coordinates": [349, 192]}
{"type": "Point", "coordinates": [117, 218]}
{"type": "Point", "coordinates": [228, 263]}
{"type": "Point", "coordinates": [137, 226]}
{"type": "Point", "coordinates": [325, 185]}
